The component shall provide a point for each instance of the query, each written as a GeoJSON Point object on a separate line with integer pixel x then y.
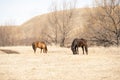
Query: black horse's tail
{"type": "Point", "coordinates": [33, 46]}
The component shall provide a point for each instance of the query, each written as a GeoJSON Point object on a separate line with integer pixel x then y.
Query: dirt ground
{"type": "Point", "coordinates": [20, 63]}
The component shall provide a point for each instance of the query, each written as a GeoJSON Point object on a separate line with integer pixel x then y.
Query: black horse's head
{"type": "Point", "coordinates": [74, 46]}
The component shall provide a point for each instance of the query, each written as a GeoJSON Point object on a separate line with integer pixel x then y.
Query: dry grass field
{"type": "Point", "coordinates": [20, 63]}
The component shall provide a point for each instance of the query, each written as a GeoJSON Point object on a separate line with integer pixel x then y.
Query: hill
{"type": "Point", "coordinates": [33, 28]}
{"type": "Point", "coordinates": [40, 28]}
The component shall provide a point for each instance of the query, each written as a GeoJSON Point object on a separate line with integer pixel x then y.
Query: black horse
{"type": "Point", "coordinates": [79, 43]}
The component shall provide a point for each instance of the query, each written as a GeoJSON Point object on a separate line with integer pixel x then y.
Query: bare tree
{"type": "Point", "coordinates": [104, 22]}
{"type": "Point", "coordinates": [3, 36]}
{"type": "Point", "coordinates": [61, 21]}
{"type": "Point", "coordinates": [10, 35]}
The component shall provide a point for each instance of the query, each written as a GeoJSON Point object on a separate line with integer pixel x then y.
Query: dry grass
{"type": "Point", "coordinates": [59, 64]}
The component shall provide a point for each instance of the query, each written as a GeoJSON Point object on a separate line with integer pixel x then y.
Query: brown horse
{"type": "Point", "coordinates": [79, 43]}
{"type": "Point", "coordinates": [40, 45]}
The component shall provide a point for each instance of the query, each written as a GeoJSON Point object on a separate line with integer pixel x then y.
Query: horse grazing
{"type": "Point", "coordinates": [79, 43]}
{"type": "Point", "coordinates": [40, 45]}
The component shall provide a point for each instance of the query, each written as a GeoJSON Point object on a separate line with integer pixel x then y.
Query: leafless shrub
{"type": "Point", "coordinates": [9, 35]}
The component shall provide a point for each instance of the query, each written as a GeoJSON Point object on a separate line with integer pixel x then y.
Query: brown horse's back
{"type": "Point", "coordinates": [41, 44]}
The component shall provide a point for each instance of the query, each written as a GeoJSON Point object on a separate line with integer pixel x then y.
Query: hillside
{"type": "Point", "coordinates": [35, 27]}
{"type": "Point", "coordinates": [40, 20]}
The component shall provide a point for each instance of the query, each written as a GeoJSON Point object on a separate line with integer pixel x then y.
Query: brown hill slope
{"type": "Point", "coordinates": [34, 27]}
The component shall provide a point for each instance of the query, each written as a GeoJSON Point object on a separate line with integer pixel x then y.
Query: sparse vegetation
{"type": "Point", "coordinates": [59, 64]}
{"type": "Point", "coordinates": [10, 36]}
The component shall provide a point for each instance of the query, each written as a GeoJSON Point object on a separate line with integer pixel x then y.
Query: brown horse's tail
{"type": "Point", "coordinates": [33, 46]}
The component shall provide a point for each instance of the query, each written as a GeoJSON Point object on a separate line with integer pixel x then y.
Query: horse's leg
{"type": "Point", "coordinates": [35, 50]}
{"type": "Point", "coordinates": [77, 50]}
{"type": "Point", "coordinates": [83, 49]}
{"type": "Point", "coordinates": [41, 51]}
{"type": "Point", "coordinates": [86, 49]}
